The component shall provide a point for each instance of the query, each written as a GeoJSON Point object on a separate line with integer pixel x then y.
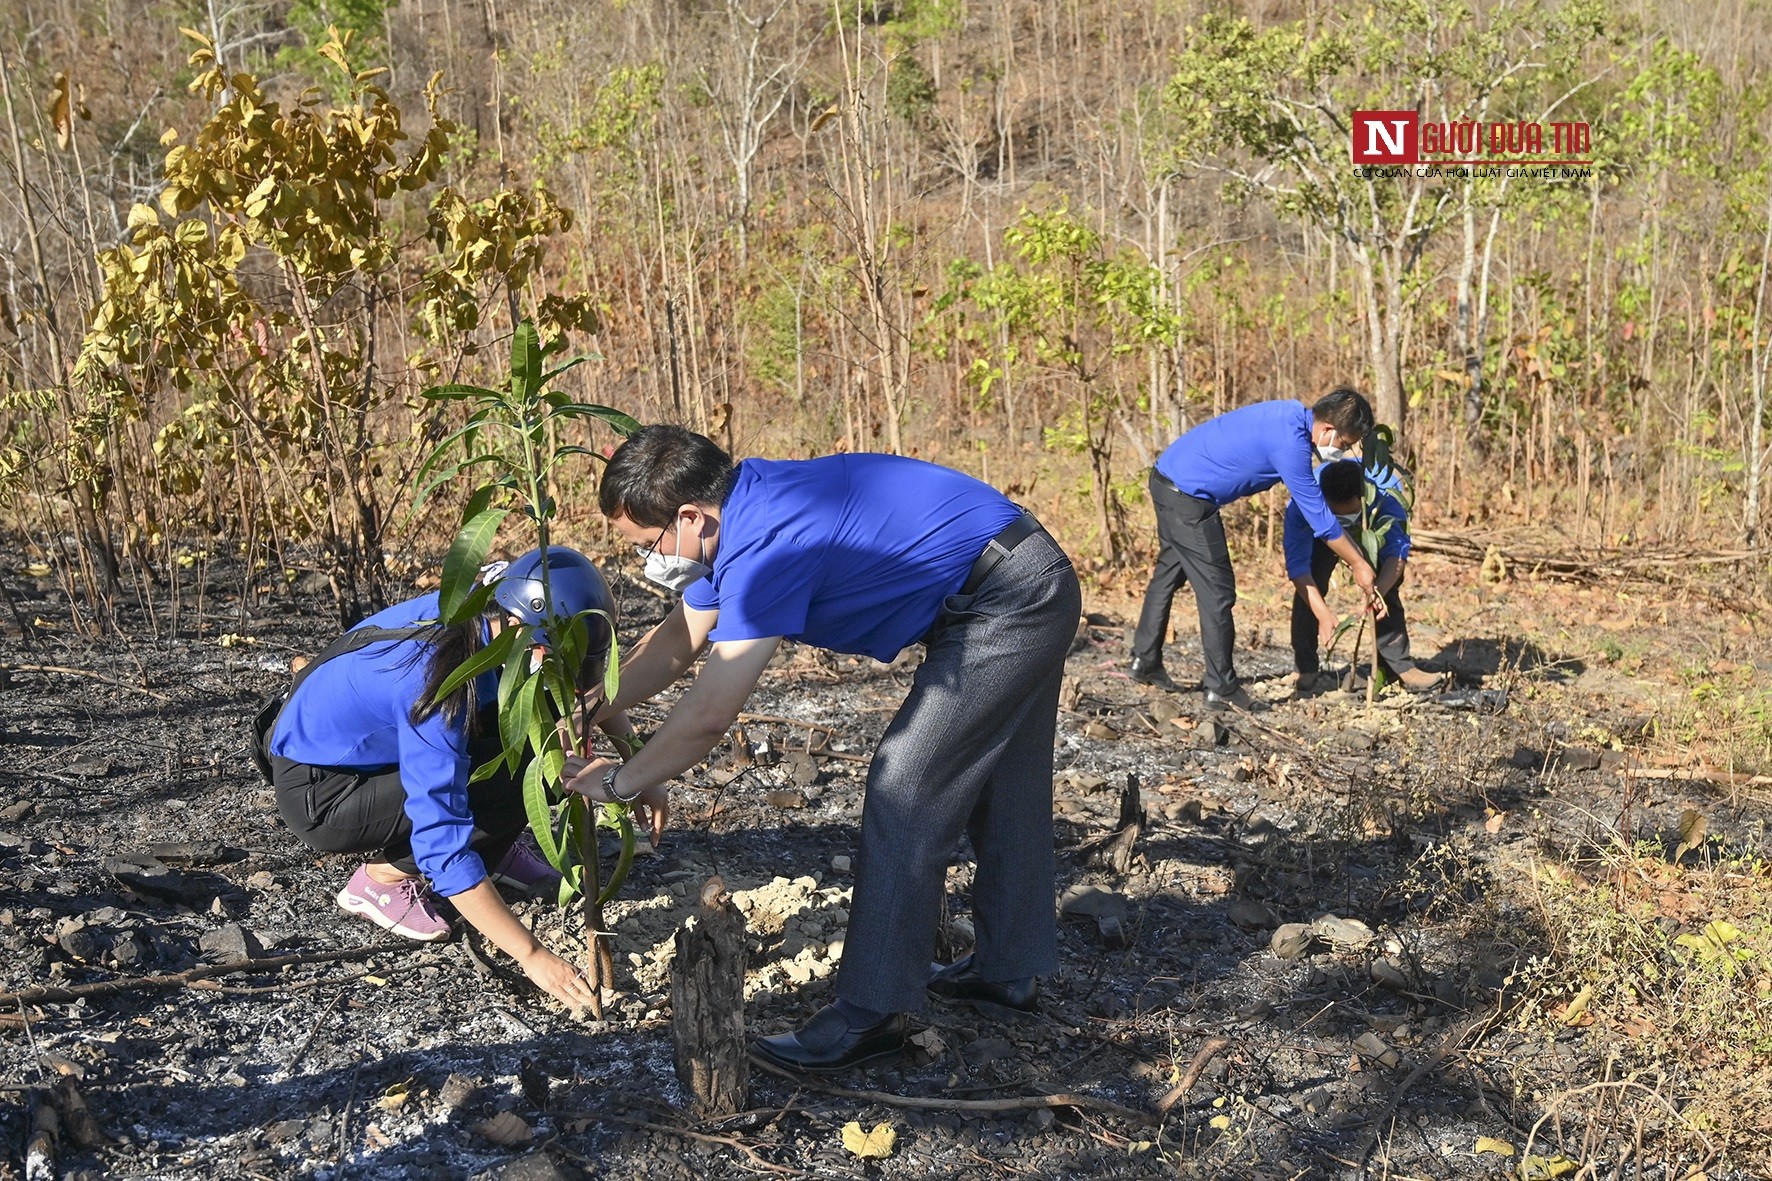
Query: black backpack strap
{"type": "Point", "coordinates": [264, 718]}
{"type": "Point", "coordinates": [361, 637]}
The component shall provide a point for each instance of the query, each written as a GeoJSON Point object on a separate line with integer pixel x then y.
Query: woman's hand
{"type": "Point", "coordinates": [652, 809]}
{"type": "Point", "coordinates": [557, 978]}
{"type": "Point", "coordinates": [481, 906]}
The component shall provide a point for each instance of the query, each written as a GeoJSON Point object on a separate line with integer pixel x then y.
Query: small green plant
{"type": "Point", "coordinates": [512, 441]}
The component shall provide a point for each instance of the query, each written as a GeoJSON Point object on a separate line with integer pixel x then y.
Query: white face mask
{"type": "Point", "coordinates": [1348, 520]}
{"type": "Point", "coordinates": [674, 572]}
{"type": "Point", "coordinates": [1327, 452]}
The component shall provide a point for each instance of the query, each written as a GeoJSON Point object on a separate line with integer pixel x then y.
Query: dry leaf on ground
{"type": "Point", "coordinates": [874, 1145]}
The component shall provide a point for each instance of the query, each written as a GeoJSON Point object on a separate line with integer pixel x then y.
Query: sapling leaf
{"type": "Point", "coordinates": [514, 728]}
{"type": "Point", "coordinates": [536, 807]}
{"type": "Point", "coordinates": [573, 449]}
{"type": "Point", "coordinates": [625, 859]}
{"type": "Point", "coordinates": [569, 647]}
{"type": "Point", "coordinates": [488, 657]}
{"type": "Point", "coordinates": [467, 553]}
{"type": "Point", "coordinates": [477, 604]}
{"type": "Point", "coordinates": [535, 721]}
{"type": "Point", "coordinates": [457, 391]}
{"type": "Point", "coordinates": [525, 363]}
{"type": "Point", "coordinates": [468, 434]}
{"type": "Point", "coordinates": [516, 672]}
{"type": "Point", "coordinates": [622, 424]}
{"type": "Point", "coordinates": [442, 478]}
{"type": "Point", "coordinates": [547, 378]}
{"type": "Point", "coordinates": [572, 881]}
{"type": "Point", "coordinates": [612, 664]}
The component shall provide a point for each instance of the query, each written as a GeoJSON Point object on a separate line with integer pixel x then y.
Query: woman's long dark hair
{"type": "Point", "coordinates": [451, 647]}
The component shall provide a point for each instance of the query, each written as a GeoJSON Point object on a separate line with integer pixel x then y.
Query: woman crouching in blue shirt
{"type": "Point", "coordinates": [364, 759]}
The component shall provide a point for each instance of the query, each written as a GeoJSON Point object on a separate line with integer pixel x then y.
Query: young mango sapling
{"type": "Point", "coordinates": [511, 440]}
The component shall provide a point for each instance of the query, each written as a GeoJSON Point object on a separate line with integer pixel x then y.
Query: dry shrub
{"type": "Point", "coordinates": [1660, 972]}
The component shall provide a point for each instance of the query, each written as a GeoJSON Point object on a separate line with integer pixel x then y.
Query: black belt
{"type": "Point", "coordinates": [1166, 482]}
{"type": "Point", "coordinates": [998, 547]}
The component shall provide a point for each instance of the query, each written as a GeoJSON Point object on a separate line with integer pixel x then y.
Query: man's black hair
{"type": "Point", "coordinates": [1342, 481]}
{"type": "Point", "coordinates": [660, 468]}
{"type": "Point", "coordinates": [1347, 410]}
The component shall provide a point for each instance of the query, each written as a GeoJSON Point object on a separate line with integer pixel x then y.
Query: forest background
{"type": "Point", "coordinates": [1031, 240]}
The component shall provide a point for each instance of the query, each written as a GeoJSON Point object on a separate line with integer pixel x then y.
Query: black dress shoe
{"type": "Point", "coordinates": [960, 981]}
{"type": "Point", "coordinates": [826, 1043]}
{"type": "Point", "coordinates": [1151, 673]}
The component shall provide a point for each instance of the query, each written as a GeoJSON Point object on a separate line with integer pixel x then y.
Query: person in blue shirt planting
{"type": "Point", "coordinates": [1309, 563]}
{"type": "Point", "coordinates": [867, 554]}
{"type": "Point", "coordinates": [364, 759]}
{"type": "Point", "coordinates": [1220, 461]}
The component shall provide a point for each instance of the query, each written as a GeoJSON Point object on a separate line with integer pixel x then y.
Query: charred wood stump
{"type": "Point", "coordinates": [82, 1127]}
{"type": "Point", "coordinates": [1117, 850]}
{"type": "Point", "coordinates": [43, 1137]}
{"type": "Point", "coordinates": [707, 1005]}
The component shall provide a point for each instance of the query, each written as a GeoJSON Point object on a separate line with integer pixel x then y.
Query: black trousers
{"type": "Point", "coordinates": [353, 810]}
{"type": "Point", "coordinates": [1393, 629]}
{"type": "Point", "coordinates": [1191, 549]}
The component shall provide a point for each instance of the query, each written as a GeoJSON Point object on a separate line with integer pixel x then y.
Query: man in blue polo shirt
{"type": "Point", "coordinates": [867, 554]}
{"type": "Point", "coordinates": [1309, 563]}
{"type": "Point", "coordinates": [1222, 460]}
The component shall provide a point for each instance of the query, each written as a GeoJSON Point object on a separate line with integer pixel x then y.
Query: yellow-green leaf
{"type": "Point", "coordinates": [1545, 1168]}
{"type": "Point", "coordinates": [874, 1145]}
{"type": "Point", "coordinates": [1578, 1007]}
{"type": "Point", "coordinates": [1692, 826]}
{"type": "Point", "coordinates": [1491, 1144]}
{"type": "Point", "coordinates": [1723, 931]}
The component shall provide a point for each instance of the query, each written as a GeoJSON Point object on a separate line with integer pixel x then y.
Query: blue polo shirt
{"type": "Point", "coordinates": [853, 553]}
{"type": "Point", "coordinates": [1298, 544]}
{"type": "Point", "coordinates": [354, 712]}
{"type": "Point", "coordinates": [1249, 450]}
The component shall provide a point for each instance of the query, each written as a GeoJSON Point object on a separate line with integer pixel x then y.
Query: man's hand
{"type": "Point", "coordinates": [1327, 622]}
{"type": "Point", "coordinates": [652, 809]}
{"type": "Point", "coordinates": [556, 977]}
{"type": "Point", "coordinates": [1367, 580]}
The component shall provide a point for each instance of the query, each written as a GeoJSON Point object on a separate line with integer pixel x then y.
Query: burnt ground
{"type": "Point", "coordinates": [1387, 1046]}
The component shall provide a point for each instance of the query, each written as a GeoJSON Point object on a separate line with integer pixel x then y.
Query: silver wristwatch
{"type": "Point", "coordinates": [609, 787]}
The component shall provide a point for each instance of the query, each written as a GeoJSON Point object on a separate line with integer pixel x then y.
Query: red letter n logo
{"type": "Point", "coordinates": [1384, 137]}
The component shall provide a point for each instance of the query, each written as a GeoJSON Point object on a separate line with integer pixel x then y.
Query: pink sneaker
{"type": "Point", "coordinates": [403, 908]}
{"type": "Point", "coordinates": [524, 868]}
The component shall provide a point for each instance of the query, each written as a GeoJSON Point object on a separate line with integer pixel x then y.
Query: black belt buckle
{"type": "Point", "coordinates": [998, 548]}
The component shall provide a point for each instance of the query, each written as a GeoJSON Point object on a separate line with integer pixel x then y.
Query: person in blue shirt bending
{"type": "Point", "coordinates": [1309, 564]}
{"type": "Point", "coordinates": [1222, 460]}
{"type": "Point", "coordinates": [867, 554]}
{"type": "Point", "coordinates": [364, 759]}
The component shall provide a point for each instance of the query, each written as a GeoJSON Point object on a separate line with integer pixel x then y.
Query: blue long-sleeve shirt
{"type": "Point", "coordinates": [854, 553]}
{"type": "Point", "coordinates": [1246, 451]}
{"type": "Point", "coordinates": [1297, 542]}
{"type": "Point", "coordinates": [354, 712]}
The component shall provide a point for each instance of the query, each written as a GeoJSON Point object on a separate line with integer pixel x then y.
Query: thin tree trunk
{"type": "Point", "coordinates": [1750, 532]}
